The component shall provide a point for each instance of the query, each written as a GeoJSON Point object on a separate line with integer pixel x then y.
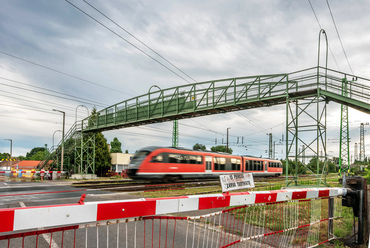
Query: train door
{"type": "Point", "coordinates": [266, 165]}
{"type": "Point", "coordinates": [208, 164]}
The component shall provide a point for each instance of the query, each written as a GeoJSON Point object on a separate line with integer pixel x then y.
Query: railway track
{"type": "Point", "coordinates": [128, 185]}
{"type": "Point", "coordinates": [136, 186]}
{"type": "Point", "coordinates": [131, 186]}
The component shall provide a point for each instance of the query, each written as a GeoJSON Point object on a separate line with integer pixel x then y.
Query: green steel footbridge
{"type": "Point", "coordinates": [304, 93]}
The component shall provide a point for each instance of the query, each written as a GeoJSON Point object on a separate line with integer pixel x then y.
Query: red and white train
{"type": "Point", "coordinates": [172, 164]}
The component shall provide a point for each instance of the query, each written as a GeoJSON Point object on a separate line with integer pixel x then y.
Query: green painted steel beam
{"type": "Point", "coordinates": [347, 101]}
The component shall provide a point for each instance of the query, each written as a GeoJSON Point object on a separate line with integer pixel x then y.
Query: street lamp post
{"type": "Point", "coordinates": [54, 134]}
{"type": "Point", "coordinates": [11, 147]}
{"type": "Point", "coordinates": [149, 96]}
{"type": "Point", "coordinates": [76, 112]}
{"type": "Point", "coordinates": [64, 119]}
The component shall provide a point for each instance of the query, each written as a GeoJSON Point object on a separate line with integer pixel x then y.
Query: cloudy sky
{"type": "Point", "coordinates": [54, 55]}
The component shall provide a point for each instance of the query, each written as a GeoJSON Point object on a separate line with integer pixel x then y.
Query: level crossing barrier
{"type": "Point", "coordinates": [52, 175]}
{"type": "Point", "coordinates": [279, 218]}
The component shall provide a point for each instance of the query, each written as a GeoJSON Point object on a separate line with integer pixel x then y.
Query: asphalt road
{"type": "Point", "coordinates": [20, 194]}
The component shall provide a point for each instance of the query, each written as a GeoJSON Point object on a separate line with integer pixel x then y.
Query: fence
{"type": "Point", "coordinates": [283, 218]}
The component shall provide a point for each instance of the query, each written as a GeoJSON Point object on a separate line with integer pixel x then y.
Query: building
{"type": "Point", "coordinates": [26, 165]}
{"type": "Point", "coordinates": [7, 164]}
{"type": "Point", "coordinates": [120, 162]}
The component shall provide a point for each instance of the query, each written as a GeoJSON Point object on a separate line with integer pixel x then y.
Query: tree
{"type": "Point", "coordinates": [34, 151]}
{"type": "Point", "coordinates": [115, 146]}
{"type": "Point", "coordinates": [221, 148]}
{"type": "Point", "coordinates": [40, 155]}
{"type": "Point", "coordinates": [4, 155]}
{"type": "Point", "coordinates": [102, 155]}
{"type": "Point", "coordinates": [198, 146]}
{"type": "Point", "coordinates": [301, 169]}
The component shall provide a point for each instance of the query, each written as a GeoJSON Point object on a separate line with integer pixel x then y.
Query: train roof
{"type": "Point", "coordinates": [152, 148]}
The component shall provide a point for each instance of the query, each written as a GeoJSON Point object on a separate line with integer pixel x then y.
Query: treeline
{"type": "Point", "coordinates": [309, 168]}
{"type": "Point", "coordinates": [37, 153]}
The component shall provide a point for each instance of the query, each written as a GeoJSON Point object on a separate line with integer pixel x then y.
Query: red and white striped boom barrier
{"type": "Point", "coordinates": [22, 219]}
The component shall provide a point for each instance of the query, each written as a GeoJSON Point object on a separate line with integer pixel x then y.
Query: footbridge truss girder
{"type": "Point", "coordinates": [228, 95]}
{"type": "Point", "coordinates": [309, 88]}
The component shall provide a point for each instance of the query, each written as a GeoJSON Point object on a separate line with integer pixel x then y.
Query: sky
{"type": "Point", "coordinates": [61, 55]}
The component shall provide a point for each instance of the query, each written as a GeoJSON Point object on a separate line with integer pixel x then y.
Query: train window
{"type": "Point", "coordinates": [247, 163]}
{"type": "Point", "coordinates": [235, 164]}
{"type": "Point", "coordinates": [141, 154]}
{"type": "Point", "coordinates": [254, 165]}
{"type": "Point", "coordinates": [257, 165]}
{"type": "Point", "coordinates": [184, 158]}
{"type": "Point", "coordinates": [219, 163]}
{"type": "Point", "coordinates": [173, 158]}
{"type": "Point", "coordinates": [157, 159]}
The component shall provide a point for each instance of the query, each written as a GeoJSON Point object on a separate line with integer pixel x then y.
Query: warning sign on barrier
{"type": "Point", "coordinates": [236, 181]}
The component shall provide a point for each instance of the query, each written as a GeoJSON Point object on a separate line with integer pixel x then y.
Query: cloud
{"type": "Point", "coordinates": [208, 40]}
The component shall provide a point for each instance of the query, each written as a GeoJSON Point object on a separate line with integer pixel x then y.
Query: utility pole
{"type": "Point", "coordinates": [270, 145]}
{"type": "Point", "coordinates": [64, 120]}
{"type": "Point", "coordinates": [227, 139]}
{"type": "Point", "coordinates": [344, 163]}
{"type": "Point", "coordinates": [11, 148]}
{"type": "Point", "coordinates": [175, 134]}
{"type": "Point", "coordinates": [362, 141]}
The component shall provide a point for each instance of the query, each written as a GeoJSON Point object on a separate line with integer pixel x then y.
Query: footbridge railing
{"type": "Point", "coordinates": [280, 218]}
{"type": "Point", "coordinates": [230, 95]}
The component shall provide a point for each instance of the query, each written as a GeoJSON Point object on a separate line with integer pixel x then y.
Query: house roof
{"type": "Point", "coordinates": [26, 164]}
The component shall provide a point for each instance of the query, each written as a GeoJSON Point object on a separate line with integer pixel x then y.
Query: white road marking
{"type": "Point", "coordinates": [22, 204]}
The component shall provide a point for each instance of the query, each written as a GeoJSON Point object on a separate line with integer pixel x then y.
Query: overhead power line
{"type": "Point", "coordinates": [138, 40]}
{"type": "Point", "coordinates": [340, 40]}
{"type": "Point", "coordinates": [35, 100]}
{"type": "Point", "coordinates": [60, 72]}
{"type": "Point", "coordinates": [33, 109]}
{"type": "Point", "coordinates": [317, 19]}
{"type": "Point", "coordinates": [82, 11]}
{"type": "Point", "coordinates": [77, 99]}
{"type": "Point", "coordinates": [29, 119]}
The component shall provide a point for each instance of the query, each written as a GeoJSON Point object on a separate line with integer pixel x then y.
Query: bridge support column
{"type": "Point", "coordinates": [85, 153]}
{"type": "Point", "coordinates": [306, 138]}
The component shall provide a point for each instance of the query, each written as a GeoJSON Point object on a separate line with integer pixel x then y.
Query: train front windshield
{"type": "Point", "coordinates": [138, 158]}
